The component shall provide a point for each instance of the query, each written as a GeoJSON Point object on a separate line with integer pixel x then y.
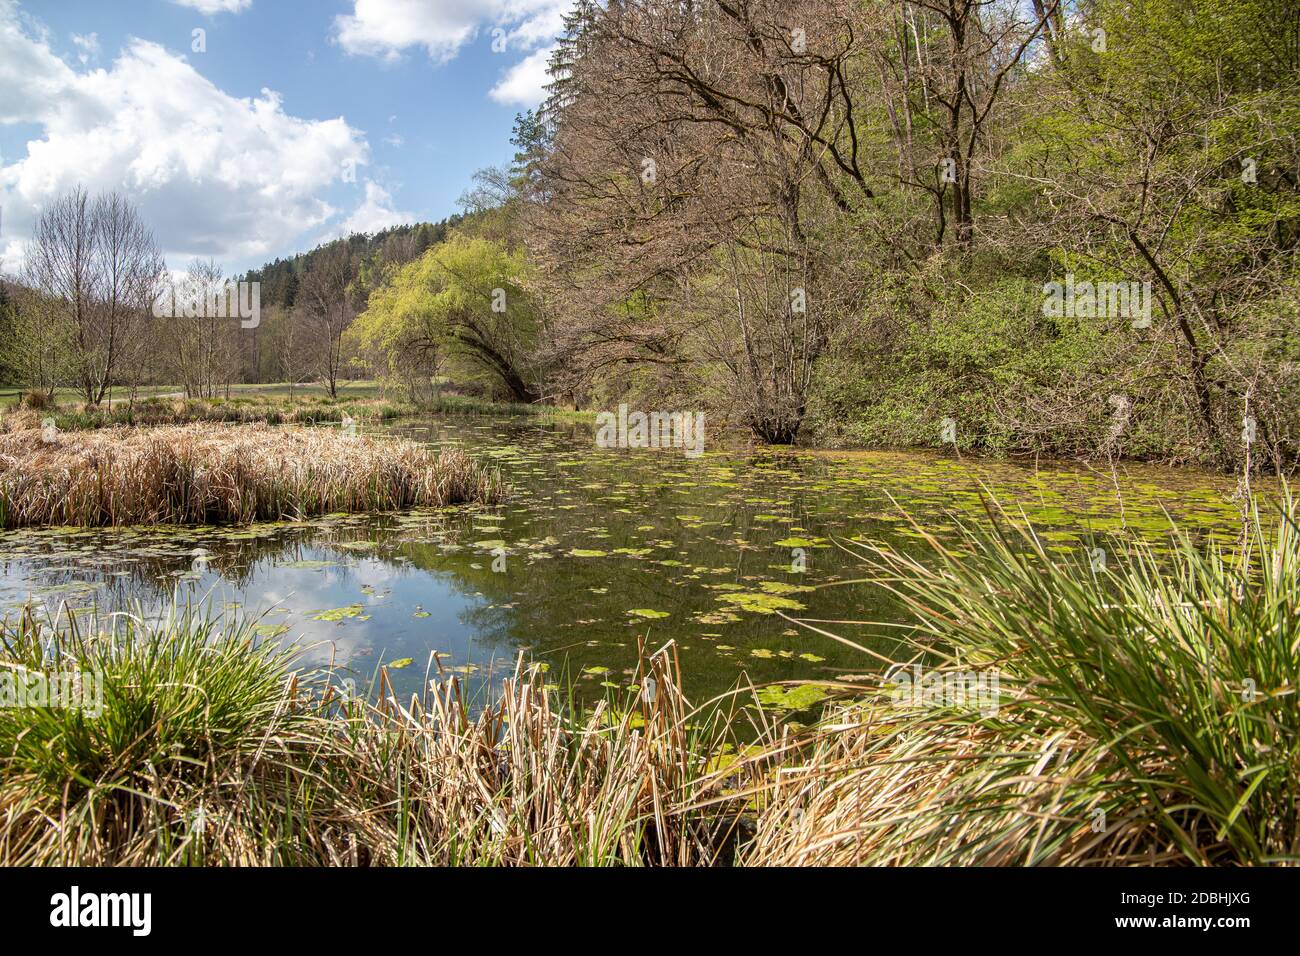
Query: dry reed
{"type": "Point", "coordinates": [212, 473]}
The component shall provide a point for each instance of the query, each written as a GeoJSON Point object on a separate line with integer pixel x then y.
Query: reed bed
{"type": "Point", "coordinates": [210, 473]}
{"type": "Point", "coordinates": [210, 750]}
{"type": "Point", "coordinates": [1147, 714]}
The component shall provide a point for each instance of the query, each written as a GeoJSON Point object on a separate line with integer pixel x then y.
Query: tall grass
{"type": "Point", "coordinates": [209, 750]}
{"type": "Point", "coordinates": [223, 473]}
{"type": "Point", "coordinates": [178, 694]}
{"type": "Point", "coordinates": [1148, 714]}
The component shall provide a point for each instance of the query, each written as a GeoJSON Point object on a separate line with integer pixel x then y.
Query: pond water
{"type": "Point", "coordinates": [596, 551]}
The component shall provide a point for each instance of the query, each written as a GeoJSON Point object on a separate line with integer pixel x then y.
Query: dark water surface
{"type": "Point", "coordinates": [596, 550]}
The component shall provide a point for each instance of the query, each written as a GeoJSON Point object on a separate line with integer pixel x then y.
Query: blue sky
{"type": "Point", "coordinates": [284, 123]}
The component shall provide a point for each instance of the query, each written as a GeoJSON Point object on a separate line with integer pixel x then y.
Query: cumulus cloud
{"type": "Point", "coordinates": [524, 83]}
{"type": "Point", "coordinates": [210, 7]}
{"type": "Point", "coordinates": [214, 175]}
{"type": "Point", "coordinates": [11, 257]}
{"type": "Point", "coordinates": [387, 28]}
{"type": "Point", "coordinates": [376, 212]}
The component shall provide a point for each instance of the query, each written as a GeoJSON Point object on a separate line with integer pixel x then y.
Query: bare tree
{"type": "Point", "coordinates": [944, 65]}
{"type": "Point", "coordinates": [203, 335]}
{"type": "Point", "coordinates": [327, 301]}
{"type": "Point", "coordinates": [694, 138]}
{"type": "Point", "coordinates": [96, 261]}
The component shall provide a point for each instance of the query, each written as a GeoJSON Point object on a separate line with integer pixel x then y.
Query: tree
{"type": "Point", "coordinates": [204, 346]}
{"type": "Point", "coordinates": [1168, 156]}
{"type": "Point", "coordinates": [38, 343]}
{"type": "Point", "coordinates": [96, 264]}
{"type": "Point", "coordinates": [463, 302]}
{"type": "Point", "coordinates": [945, 64]}
{"type": "Point", "coordinates": [694, 143]}
{"type": "Point", "coordinates": [327, 301]}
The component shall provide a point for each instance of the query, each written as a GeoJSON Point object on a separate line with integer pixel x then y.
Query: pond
{"type": "Point", "coordinates": [598, 551]}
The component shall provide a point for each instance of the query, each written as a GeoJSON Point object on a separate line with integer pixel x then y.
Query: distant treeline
{"type": "Point", "coordinates": [81, 313]}
{"type": "Point", "coordinates": [281, 278]}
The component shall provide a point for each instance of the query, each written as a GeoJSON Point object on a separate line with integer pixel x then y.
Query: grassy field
{"type": "Point", "coordinates": [277, 403]}
{"type": "Point", "coordinates": [11, 395]}
{"type": "Point", "coordinates": [347, 391]}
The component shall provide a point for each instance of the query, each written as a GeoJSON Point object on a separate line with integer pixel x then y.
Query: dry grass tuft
{"type": "Point", "coordinates": [529, 782]}
{"type": "Point", "coordinates": [212, 473]}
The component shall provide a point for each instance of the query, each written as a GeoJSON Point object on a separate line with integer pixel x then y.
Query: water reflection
{"type": "Point", "coordinates": [596, 550]}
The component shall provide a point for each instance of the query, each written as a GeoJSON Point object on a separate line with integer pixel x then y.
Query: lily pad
{"type": "Point", "coordinates": [800, 697]}
{"type": "Point", "coordinates": [339, 614]}
{"type": "Point", "coordinates": [648, 613]}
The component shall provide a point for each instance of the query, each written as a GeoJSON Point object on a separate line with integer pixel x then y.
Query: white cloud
{"type": "Point", "coordinates": [87, 47]}
{"type": "Point", "coordinates": [523, 84]}
{"type": "Point", "coordinates": [210, 7]}
{"type": "Point", "coordinates": [376, 212]}
{"type": "Point", "coordinates": [11, 257]}
{"type": "Point", "coordinates": [214, 175]}
{"type": "Point", "coordinates": [386, 28]}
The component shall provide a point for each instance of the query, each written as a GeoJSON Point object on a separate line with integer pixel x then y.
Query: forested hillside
{"type": "Point", "coordinates": [1053, 227]}
{"type": "Point", "coordinates": [842, 221]}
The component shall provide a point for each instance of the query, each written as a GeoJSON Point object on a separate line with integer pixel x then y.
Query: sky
{"type": "Point", "coordinates": [246, 130]}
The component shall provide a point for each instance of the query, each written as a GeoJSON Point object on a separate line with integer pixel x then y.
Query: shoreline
{"type": "Point", "coordinates": [248, 407]}
{"type": "Point", "coordinates": [281, 768]}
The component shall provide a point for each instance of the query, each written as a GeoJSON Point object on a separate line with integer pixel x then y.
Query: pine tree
{"type": "Point", "coordinates": [574, 41]}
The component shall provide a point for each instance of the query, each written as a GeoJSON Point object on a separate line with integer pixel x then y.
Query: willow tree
{"type": "Point", "coordinates": [462, 304]}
